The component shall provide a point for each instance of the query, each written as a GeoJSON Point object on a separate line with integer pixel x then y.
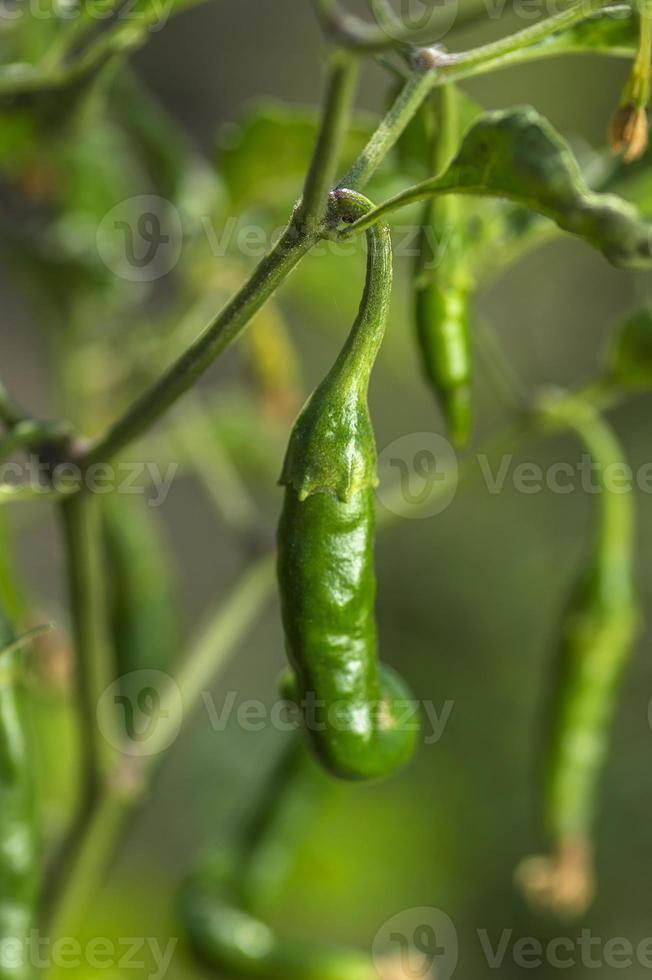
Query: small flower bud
{"type": "Point", "coordinates": [628, 133]}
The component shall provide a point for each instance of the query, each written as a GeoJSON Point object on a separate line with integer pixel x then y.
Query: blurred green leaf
{"type": "Point", "coordinates": [519, 156]}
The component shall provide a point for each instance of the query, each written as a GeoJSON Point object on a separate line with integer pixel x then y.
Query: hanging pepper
{"type": "Point", "coordinates": [597, 635]}
{"type": "Point", "coordinates": [441, 284]}
{"type": "Point", "coordinates": [359, 717]}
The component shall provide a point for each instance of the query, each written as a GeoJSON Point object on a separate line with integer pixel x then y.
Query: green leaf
{"type": "Point", "coordinates": [630, 357]}
{"type": "Point", "coordinates": [517, 155]}
{"type": "Point", "coordinates": [263, 156]}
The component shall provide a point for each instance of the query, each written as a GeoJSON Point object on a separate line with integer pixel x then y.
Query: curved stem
{"type": "Point", "coordinates": [449, 64]}
{"type": "Point", "coordinates": [94, 672]}
{"type": "Point", "coordinates": [415, 90]}
{"type": "Point", "coordinates": [436, 67]}
{"type": "Point", "coordinates": [94, 666]}
{"type": "Point", "coordinates": [335, 118]}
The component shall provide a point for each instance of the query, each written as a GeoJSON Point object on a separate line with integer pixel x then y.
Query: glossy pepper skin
{"type": "Point", "coordinates": [441, 286]}
{"type": "Point", "coordinates": [360, 718]}
{"type": "Point", "coordinates": [18, 833]}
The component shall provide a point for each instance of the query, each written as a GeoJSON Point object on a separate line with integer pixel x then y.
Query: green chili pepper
{"type": "Point", "coordinates": [441, 285]}
{"type": "Point", "coordinates": [18, 832]}
{"type": "Point", "coordinates": [220, 904]}
{"type": "Point", "coordinates": [597, 635]}
{"type": "Point", "coordinates": [143, 614]}
{"type": "Point", "coordinates": [360, 719]}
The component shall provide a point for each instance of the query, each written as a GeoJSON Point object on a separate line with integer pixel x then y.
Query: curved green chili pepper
{"type": "Point", "coordinates": [18, 831]}
{"type": "Point", "coordinates": [597, 634]}
{"type": "Point", "coordinates": [441, 286]}
{"type": "Point", "coordinates": [360, 720]}
{"type": "Point", "coordinates": [221, 904]}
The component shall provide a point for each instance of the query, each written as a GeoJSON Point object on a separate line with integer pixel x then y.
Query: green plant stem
{"type": "Point", "coordinates": [94, 662]}
{"type": "Point", "coordinates": [417, 87]}
{"type": "Point", "coordinates": [205, 659]}
{"type": "Point", "coordinates": [551, 45]}
{"type": "Point", "coordinates": [335, 117]}
{"type": "Point", "coordinates": [94, 672]}
{"type": "Point", "coordinates": [436, 68]}
{"type": "Point", "coordinates": [228, 325]}
{"type": "Point", "coordinates": [493, 53]}
{"type": "Point", "coordinates": [294, 244]}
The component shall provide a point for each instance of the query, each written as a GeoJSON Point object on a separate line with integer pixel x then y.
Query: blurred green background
{"type": "Point", "coordinates": [468, 600]}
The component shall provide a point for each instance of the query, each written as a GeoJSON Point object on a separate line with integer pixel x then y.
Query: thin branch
{"type": "Point", "coordinates": [94, 667]}
{"type": "Point", "coordinates": [94, 673]}
{"type": "Point", "coordinates": [335, 117]}
{"type": "Point", "coordinates": [435, 67]}
{"type": "Point", "coordinates": [294, 244]}
{"type": "Point", "coordinates": [417, 87]}
{"type": "Point", "coordinates": [491, 54]}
